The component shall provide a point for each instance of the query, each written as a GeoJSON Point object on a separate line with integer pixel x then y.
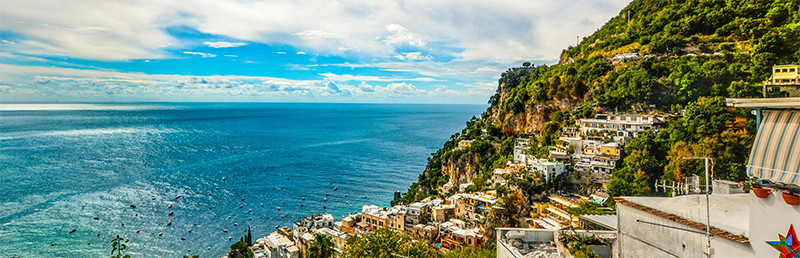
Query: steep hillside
{"type": "Point", "coordinates": [655, 56]}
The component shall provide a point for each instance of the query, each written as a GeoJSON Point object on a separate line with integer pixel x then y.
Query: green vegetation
{"type": "Point", "coordinates": [118, 245]}
{"type": "Point", "coordinates": [578, 245]}
{"type": "Point", "coordinates": [240, 250]}
{"type": "Point", "coordinates": [385, 243]}
{"type": "Point", "coordinates": [691, 56]}
{"type": "Point", "coordinates": [473, 252]}
{"type": "Point", "coordinates": [322, 247]}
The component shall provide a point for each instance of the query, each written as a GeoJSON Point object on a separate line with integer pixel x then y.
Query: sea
{"type": "Point", "coordinates": [84, 167]}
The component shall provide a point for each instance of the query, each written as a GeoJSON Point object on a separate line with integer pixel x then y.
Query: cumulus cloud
{"type": "Point", "coordinates": [223, 44]}
{"type": "Point", "coordinates": [402, 35]}
{"type": "Point", "coordinates": [204, 55]}
{"type": "Point", "coordinates": [467, 30]}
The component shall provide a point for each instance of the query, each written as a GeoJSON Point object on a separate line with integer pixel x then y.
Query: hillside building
{"type": "Point", "coordinates": [785, 79]}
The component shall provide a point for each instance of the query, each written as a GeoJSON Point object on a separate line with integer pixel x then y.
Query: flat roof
{"type": "Point", "coordinates": [793, 102]}
{"type": "Point", "coordinates": [608, 221]}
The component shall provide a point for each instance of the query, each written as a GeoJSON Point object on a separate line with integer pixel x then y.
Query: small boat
{"type": "Point", "coordinates": [326, 194]}
{"type": "Point", "coordinates": [225, 230]}
{"type": "Point", "coordinates": [242, 199]}
{"type": "Point", "coordinates": [335, 188]}
{"type": "Point", "coordinates": [323, 206]}
{"type": "Point", "coordinates": [345, 195]}
{"type": "Point", "coordinates": [209, 207]}
{"type": "Point", "coordinates": [301, 205]}
{"type": "Point", "coordinates": [169, 223]}
{"type": "Point", "coordinates": [209, 194]}
{"type": "Point", "coordinates": [98, 234]}
{"type": "Point", "coordinates": [190, 230]}
{"type": "Point", "coordinates": [240, 206]}
{"type": "Point", "coordinates": [209, 248]}
{"type": "Point", "coordinates": [331, 183]}
{"type": "Point", "coordinates": [325, 200]}
{"type": "Point", "coordinates": [73, 230]}
{"type": "Point", "coordinates": [133, 205]}
{"type": "Point", "coordinates": [136, 215]}
{"type": "Point", "coordinates": [96, 218]}
{"type": "Point", "coordinates": [123, 224]}
{"type": "Point", "coordinates": [90, 243]}
{"type": "Point", "coordinates": [251, 210]}
{"type": "Point", "coordinates": [229, 238]}
{"type": "Point", "coordinates": [262, 204]}
{"type": "Point", "coordinates": [170, 206]}
{"type": "Point", "coordinates": [160, 233]}
{"type": "Point", "coordinates": [235, 224]}
{"type": "Point", "coordinates": [284, 202]}
{"type": "Point", "coordinates": [183, 238]}
{"type": "Point", "coordinates": [279, 208]}
{"type": "Point", "coordinates": [178, 197]}
{"type": "Point", "coordinates": [217, 188]}
{"type": "Point", "coordinates": [51, 244]}
{"type": "Point", "coordinates": [303, 198]}
{"type": "Point", "coordinates": [281, 216]}
{"type": "Point", "coordinates": [223, 178]}
{"type": "Point", "coordinates": [243, 181]}
{"type": "Point", "coordinates": [287, 178]}
{"type": "Point", "coordinates": [170, 213]}
{"type": "Point", "coordinates": [140, 230]}
{"type": "Point", "coordinates": [154, 198]}
{"type": "Point", "coordinates": [229, 217]}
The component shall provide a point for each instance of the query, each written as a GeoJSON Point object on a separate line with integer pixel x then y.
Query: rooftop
{"type": "Point", "coordinates": [608, 221]}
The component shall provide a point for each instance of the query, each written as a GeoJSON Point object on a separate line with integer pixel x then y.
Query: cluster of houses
{"type": "Point", "coordinates": [593, 148]}
{"type": "Point", "coordinates": [449, 223]}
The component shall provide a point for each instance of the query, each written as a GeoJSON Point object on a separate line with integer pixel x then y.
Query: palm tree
{"type": "Point", "coordinates": [322, 247]}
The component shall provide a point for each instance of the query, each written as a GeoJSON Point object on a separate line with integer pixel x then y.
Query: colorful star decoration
{"type": "Point", "coordinates": [789, 246]}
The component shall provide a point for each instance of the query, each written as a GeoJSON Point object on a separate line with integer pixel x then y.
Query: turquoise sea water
{"type": "Point", "coordinates": [62, 165]}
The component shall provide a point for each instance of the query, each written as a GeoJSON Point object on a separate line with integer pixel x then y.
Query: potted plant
{"type": "Point", "coordinates": [752, 184]}
{"type": "Point", "coordinates": [790, 195]}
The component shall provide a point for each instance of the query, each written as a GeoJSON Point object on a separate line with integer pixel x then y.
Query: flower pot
{"type": "Point", "coordinates": [761, 192]}
{"type": "Point", "coordinates": [791, 199]}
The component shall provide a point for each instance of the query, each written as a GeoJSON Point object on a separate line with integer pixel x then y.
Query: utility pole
{"type": "Point", "coordinates": [709, 250]}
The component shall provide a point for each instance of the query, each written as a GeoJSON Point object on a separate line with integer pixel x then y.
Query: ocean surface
{"type": "Point", "coordinates": [62, 165]}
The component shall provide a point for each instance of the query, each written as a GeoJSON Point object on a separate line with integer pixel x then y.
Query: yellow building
{"type": "Point", "coordinates": [611, 149]}
{"type": "Point", "coordinates": [785, 79]}
{"type": "Point", "coordinates": [785, 74]}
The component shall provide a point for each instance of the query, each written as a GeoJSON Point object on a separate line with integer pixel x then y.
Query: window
{"type": "Point", "coordinates": [777, 70]}
{"type": "Point", "coordinates": [791, 70]}
{"type": "Point", "coordinates": [785, 70]}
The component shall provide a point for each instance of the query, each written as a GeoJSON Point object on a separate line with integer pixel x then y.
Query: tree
{"type": "Point", "coordinates": [240, 250]}
{"type": "Point", "coordinates": [385, 243]}
{"type": "Point", "coordinates": [118, 245]}
{"type": "Point", "coordinates": [322, 247]}
{"type": "Point", "coordinates": [473, 252]}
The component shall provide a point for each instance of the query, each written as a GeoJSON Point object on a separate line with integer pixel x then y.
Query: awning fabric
{"type": "Point", "coordinates": [776, 150]}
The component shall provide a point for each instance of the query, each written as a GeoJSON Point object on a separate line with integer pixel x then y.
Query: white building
{"type": "Point", "coordinates": [549, 170]}
{"type": "Point", "coordinates": [621, 126]}
{"type": "Point", "coordinates": [275, 246]}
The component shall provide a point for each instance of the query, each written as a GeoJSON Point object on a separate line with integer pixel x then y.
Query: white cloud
{"type": "Point", "coordinates": [349, 77]}
{"type": "Point", "coordinates": [231, 55]}
{"type": "Point", "coordinates": [402, 35]}
{"type": "Point", "coordinates": [223, 44]}
{"type": "Point", "coordinates": [301, 53]}
{"type": "Point", "coordinates": [52, 83]}
{"type": "Point", "coordinates": [467, 30]}
{"type": "Point", "coordinates": [204, 55]}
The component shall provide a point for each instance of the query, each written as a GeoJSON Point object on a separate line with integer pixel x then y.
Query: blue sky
{"type": "Point", "coordinates": [280, 51]}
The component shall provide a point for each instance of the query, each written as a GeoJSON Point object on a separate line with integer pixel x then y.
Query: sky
{"type": "Point", "coordinates": [344, 51]}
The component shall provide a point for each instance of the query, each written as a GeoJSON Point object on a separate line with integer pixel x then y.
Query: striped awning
{"type": "Point", "coordinates": [776, 150]}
